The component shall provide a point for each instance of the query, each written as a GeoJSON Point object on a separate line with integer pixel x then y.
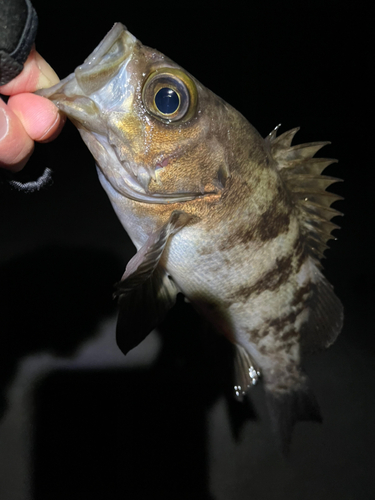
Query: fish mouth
{"type": "Point", "coordinates": [128, 179]}
{"type": "Point", "coordinates": [136, 184]}
{"type": "Point", "coordinates": [98, 68]}
{"type": "Point", "coordinates": [136, 178]}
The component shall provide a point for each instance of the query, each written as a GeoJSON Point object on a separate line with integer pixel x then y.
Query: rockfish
{"type": "Point", "coordinates": [235, 222]}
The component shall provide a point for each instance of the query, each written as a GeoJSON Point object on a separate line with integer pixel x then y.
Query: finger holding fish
{"type": "Point", "coordinates": [27, 117]}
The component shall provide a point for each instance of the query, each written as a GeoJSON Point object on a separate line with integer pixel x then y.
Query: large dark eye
{"type": "Point", "coordinates": [167, 101]}
{"type": "Point", "coordinates": [170, 95]}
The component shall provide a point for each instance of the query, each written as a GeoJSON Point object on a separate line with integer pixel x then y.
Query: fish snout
{"type": "Point", "coordinates": [77, 94]}
{"type": "Point", "coordinates": [105, 61]}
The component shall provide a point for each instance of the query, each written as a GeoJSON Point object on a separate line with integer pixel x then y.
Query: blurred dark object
{"type": "Point", "coordinates": [52, 301]}
{"type": "Point", "coordinates": [18, 27]}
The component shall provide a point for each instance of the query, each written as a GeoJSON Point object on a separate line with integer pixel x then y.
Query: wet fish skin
{"type": "Point", "coordinates": [236, 222]}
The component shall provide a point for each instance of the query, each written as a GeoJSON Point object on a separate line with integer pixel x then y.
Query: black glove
{"type": "Point", "coordinates": [18, 27]}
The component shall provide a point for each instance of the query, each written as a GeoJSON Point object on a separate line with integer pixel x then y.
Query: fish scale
{"type": "Point", "coordinates": [235, 222]}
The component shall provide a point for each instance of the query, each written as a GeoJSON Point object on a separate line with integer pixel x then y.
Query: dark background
{"type": "Point", "coordinates": [137, 432]}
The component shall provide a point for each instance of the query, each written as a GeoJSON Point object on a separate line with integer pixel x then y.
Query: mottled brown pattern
{"type": "Point", "coordinates": [271, 281]}
{"type": "Point", "coordinates": [242, 234]}
{"type": "Point", "coordinates": [268, 226]}
{"type": "Point", "coordinates": [271, 224]}
{"type": "Point", "coordinates": [280, 322]}
{"type": "Point", "coordinates": [244, 200]}
{"type": "Point", "coordinates": [256, 334]}
{"type": "Point", "coordinates": [275, 220]}
{"type": "Point", "coordinates": [263, 350]}
{"type": "Point", "coordinates": [291, 334]}
{"type": "Point", "coordinates": [299, 294]}
{"type": "Point", "coordinates": [275, 327]}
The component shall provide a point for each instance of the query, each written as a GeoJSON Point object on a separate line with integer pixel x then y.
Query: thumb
{"type": "Point", "coordinates": [36, 74]}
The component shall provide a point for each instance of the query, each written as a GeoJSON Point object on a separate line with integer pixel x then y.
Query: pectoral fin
{"type": "Point", "coordinates": [146, 293]}
{"type": "Point", "coordinates": [142, 309]}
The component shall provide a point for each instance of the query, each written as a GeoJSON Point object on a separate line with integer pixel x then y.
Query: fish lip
{"type": "Point", "coordinates": [90, 64]}
{"type": "Point", "coordinates": [142, 175]}
{"type": "Point", "coordinates": [135, 186]}
{"type": "Point", "coordinates": [106, 60]}
{"type": "Point", "coordinates": [101, 50]}
{"type": "Point", "coordinates": [128, 191]}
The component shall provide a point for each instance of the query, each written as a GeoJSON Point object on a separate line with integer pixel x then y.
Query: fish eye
{"type": "Point", "coordinates": [170, 95]}
{"type": "Point", "coordinates": [167, 101]}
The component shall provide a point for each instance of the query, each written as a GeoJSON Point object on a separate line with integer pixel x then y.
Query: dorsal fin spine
{"type": "Point", "coordinates": [311, 166]}
{"type": "Point", "coordinates": [301, 173]}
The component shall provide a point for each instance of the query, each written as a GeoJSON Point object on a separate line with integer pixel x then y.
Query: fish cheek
{"type": "Point", "coordinates": [179, 175]}
{"type": "Point", "coordinates": [126, 132]}
{"type": "Point", "coordinates": [199, 166]}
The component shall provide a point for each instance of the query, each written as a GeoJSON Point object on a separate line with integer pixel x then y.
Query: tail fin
{"type": "Point", "coordinates": [288, 408]}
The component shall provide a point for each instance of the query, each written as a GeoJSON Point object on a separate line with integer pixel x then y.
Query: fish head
{"type": "Point", "coordinates": [156, 133]}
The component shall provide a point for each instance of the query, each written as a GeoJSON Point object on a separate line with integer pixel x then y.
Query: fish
{"type": "Point", "coordinates": [235, 222]}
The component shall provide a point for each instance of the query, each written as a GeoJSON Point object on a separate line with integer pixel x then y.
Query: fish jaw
{"type": "Point", "coordinates": [86, 96]}
{"type": "Point", "coordinates": [101, 67]}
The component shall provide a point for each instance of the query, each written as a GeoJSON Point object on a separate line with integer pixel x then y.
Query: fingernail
{"type": "Point", "coordinates": [52, 126]}
{"type": "Point", "coordinates": [4, 124]}
{"type": "Point", "coordinates": [48, 77]}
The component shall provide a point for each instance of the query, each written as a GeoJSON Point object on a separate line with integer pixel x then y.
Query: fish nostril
{"type": "Point", "coordinates": [162, 164]}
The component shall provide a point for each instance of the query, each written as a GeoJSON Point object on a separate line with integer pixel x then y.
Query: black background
{"type": "Point", "coordinates": [135, 434]}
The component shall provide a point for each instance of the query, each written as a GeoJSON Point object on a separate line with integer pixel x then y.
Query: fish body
{"type": "Point", "coordinates": [235, 222]}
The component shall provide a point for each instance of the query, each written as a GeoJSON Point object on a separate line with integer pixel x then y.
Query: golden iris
{"type": "Point", "coordinates": [170, 95]}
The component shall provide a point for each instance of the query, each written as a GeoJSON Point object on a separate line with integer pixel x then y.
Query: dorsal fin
{"type": "Point", "coordinates": [301, 173]}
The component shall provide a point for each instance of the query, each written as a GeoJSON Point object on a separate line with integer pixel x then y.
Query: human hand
{"type": "Point", "coordinates": [27, 117]}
